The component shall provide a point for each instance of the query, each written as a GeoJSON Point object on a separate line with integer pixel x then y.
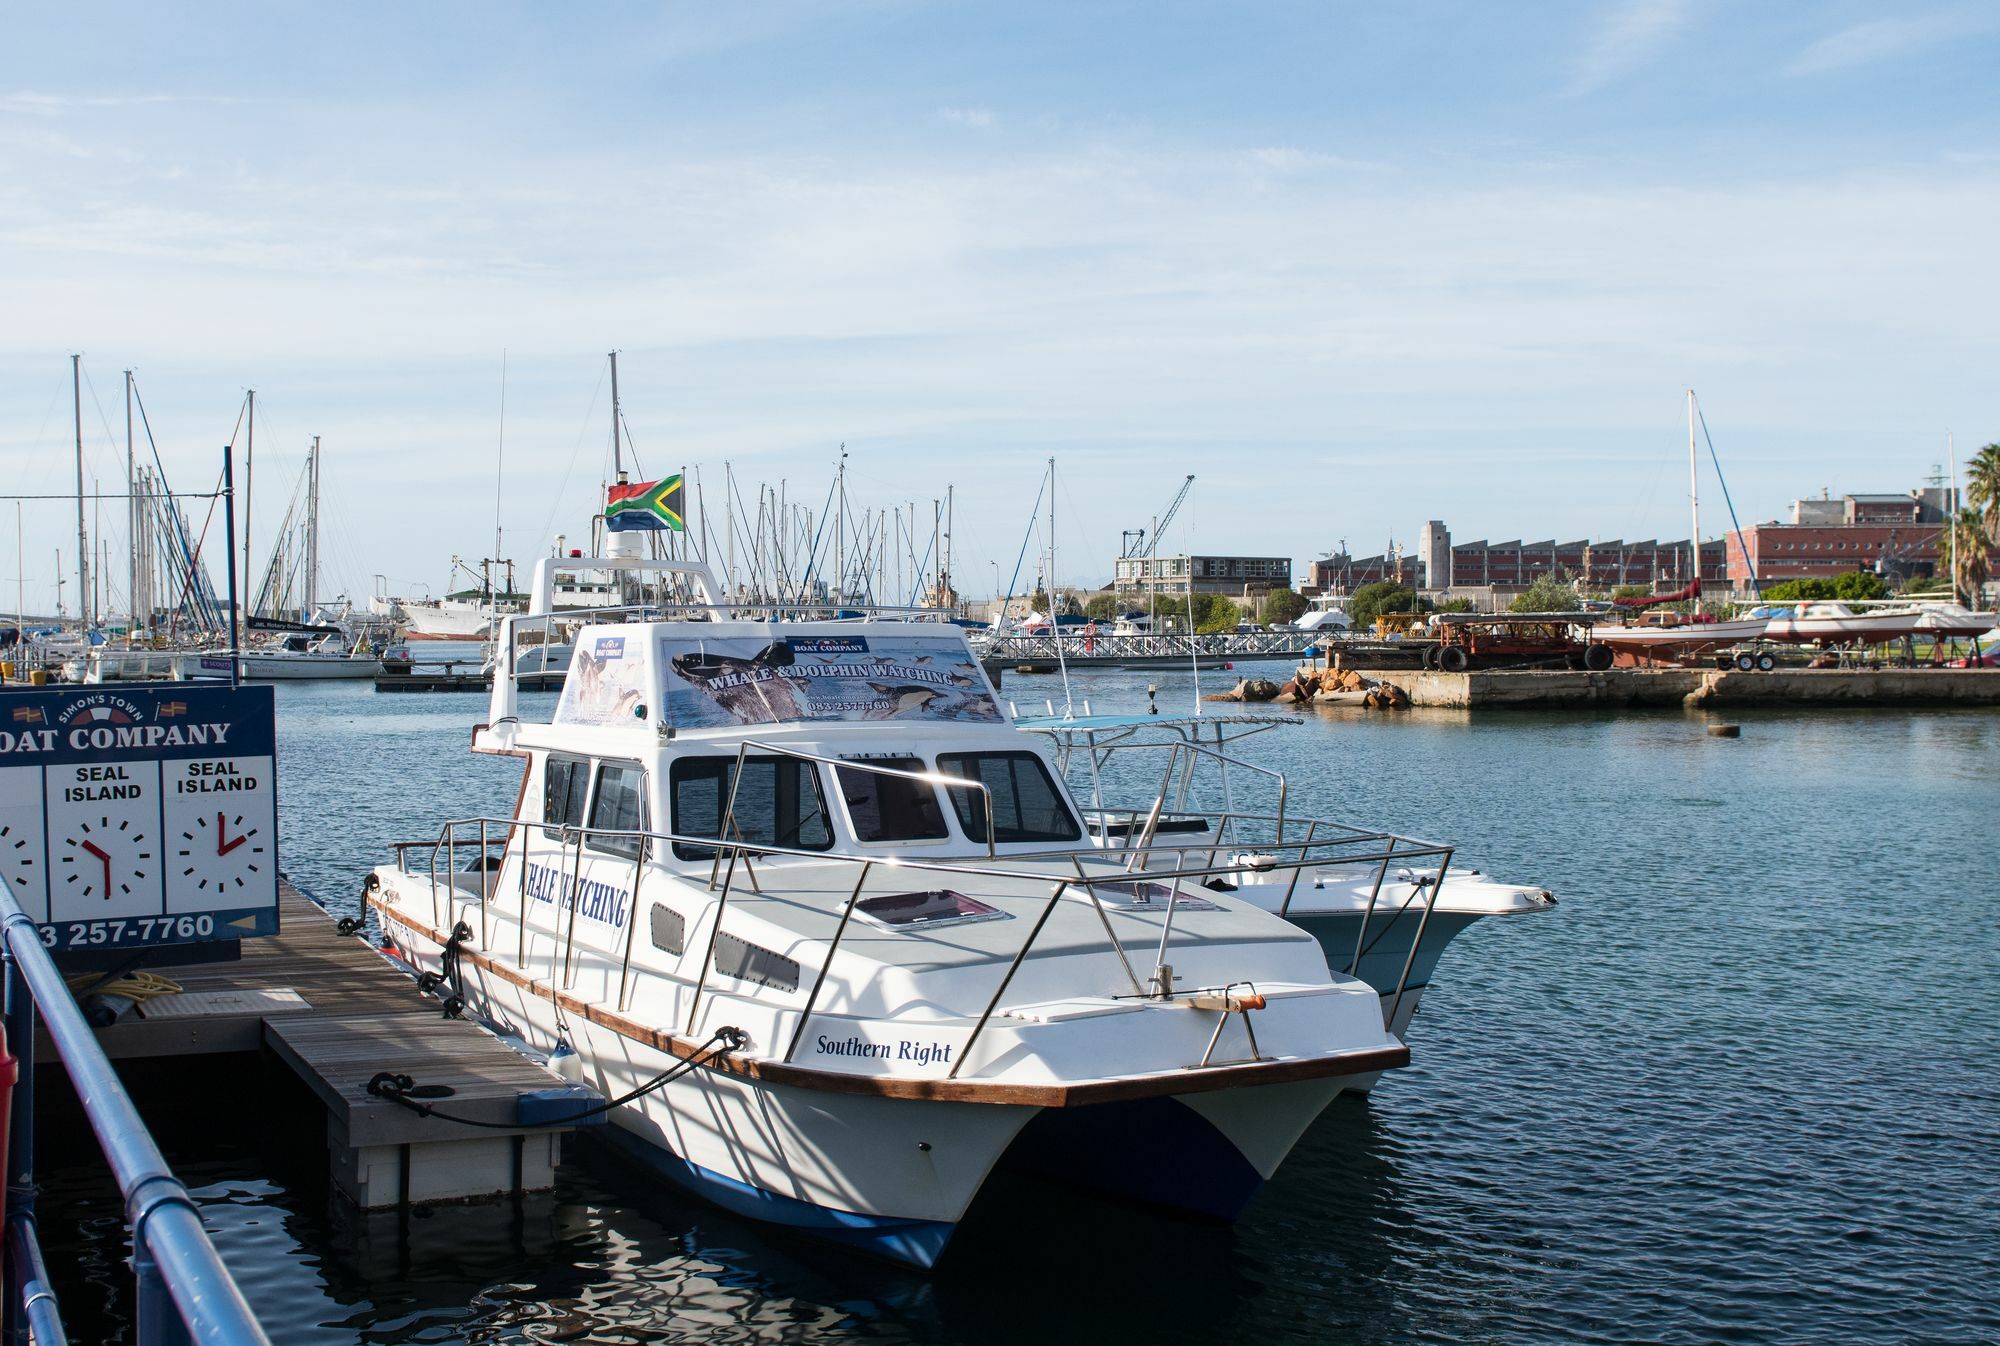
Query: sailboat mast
{"type": "Point", "coordinates": [312, 530]}
{"type": "Point", "coordinates": [1951, 511]}
{"type": "Point", "coordinates": [1694, 508]}
{"type": "Point", "coordinates": [131, 517]}
{"type": "Point", "coordinates": [82, 543]}
{"type": "Point", "coordinates": [617, 451]}
{"type": "Point", "coordinates": [249, 459]}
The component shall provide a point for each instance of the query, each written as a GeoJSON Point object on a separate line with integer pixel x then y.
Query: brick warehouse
{"type": "Point", "coordinates": [1895, 536]}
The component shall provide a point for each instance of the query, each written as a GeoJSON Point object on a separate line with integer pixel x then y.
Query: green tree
{"type": "Point", "coordinates": [1553, 592]}
{"type": "Point", "coordinates": [1213, 613]}
{"type": "Point", "coordinates": [1859, 585]}
{"type": "Point", "coordinates": [1982, 487]}
{"type": "Point", "coordinates": [1630, 591]}
{"type": "Point", "coordinates": [1455, 605]}
{"type": "Point", "coordinates": [1973, 533]}
{"type": "Point", "coordinates": [1372, 600]}
{"type": "Point", "coordinates": [1103, 608]}
{"type": "Point", "coordinates": [1282, 605]}
{"type": "Point", "coordinates": [1793, 591]}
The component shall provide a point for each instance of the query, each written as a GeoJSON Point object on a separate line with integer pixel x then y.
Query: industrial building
{"type": "Point", "coordinates": [1177, 576]}
{"type": "Point", "coordinates": [1894, 536]}
{"type": "Point", "coordinates": [1438, 564]}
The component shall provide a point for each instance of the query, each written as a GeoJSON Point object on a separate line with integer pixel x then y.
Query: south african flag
{"type": "Point", "coordinates": [645, 504]}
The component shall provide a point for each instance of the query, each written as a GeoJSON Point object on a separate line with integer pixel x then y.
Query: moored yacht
{"type": "Point", "coordinates": [1383, 907]}
{"type": "Point", "coordinates": [814, 859]}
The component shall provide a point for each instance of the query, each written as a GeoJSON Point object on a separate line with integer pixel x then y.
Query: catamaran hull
{"type": "Point", "coordinates": [278, 668]}
{"type": "Point", "coordinates": [892, 1177]}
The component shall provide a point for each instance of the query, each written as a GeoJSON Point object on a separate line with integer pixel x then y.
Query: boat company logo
{"type": "Point", "coordinates": [828, 645]}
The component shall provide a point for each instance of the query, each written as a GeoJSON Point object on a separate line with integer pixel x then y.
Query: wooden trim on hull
{"type": "Point", "coordinates": [1190, 1081]}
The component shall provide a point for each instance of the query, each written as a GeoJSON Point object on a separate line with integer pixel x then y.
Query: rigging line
{"type": "Point", "coordinates": [812, 557]}
{"type": "Point", "coordinates": [1034, 513]}
{"type": "Point", "coordinates": [576, 451]}
{"type": "Point", "coordinates": [1748, 560]}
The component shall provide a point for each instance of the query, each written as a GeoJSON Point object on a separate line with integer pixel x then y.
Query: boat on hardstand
{"type": "Point", "coordinates": [1383, 907]}
{"type": "Point", "coordinates": [796, 893]}
{"type": "Point", "coordinates": [1838, 624]}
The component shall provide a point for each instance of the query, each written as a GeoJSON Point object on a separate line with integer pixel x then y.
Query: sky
{"type": "Point", "coordinates": [1355, 266]}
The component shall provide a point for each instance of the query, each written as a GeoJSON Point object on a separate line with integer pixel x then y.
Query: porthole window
{"type": "Point", "coordinates": [669, 930]}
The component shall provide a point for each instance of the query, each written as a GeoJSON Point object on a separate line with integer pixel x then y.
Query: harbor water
{"type": "Point", "coordinates": [1741, 1085]}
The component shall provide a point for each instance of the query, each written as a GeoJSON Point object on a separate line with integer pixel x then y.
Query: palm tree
{"type": "Point", "coordinates": [1968, 528]}
{"type": "Point", "coordinates": [1982, 486]}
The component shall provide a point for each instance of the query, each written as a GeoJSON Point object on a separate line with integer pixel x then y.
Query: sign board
{"type": "Point", "coordinates": [141, 815]}
{"type": "Point", "coordinates": [864, 676]}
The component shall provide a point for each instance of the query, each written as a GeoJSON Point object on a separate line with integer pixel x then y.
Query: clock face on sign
{"type": "Point", "coordinates": [20, 862]}
{"type": "Point", "coordinates": [106, 859]}
{"type": "Point", "coordinates": [223, 851]}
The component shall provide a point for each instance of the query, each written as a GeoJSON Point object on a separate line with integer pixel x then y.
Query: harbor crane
{"type": "Point", "coordinates": [1132, 542]}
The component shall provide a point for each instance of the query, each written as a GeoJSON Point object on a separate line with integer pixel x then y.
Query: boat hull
{"type": "Point", "coordinates": [884, 1175]}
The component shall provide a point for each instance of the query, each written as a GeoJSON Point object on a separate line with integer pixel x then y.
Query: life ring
{"type": "Point", "coordinates": [1090, 638]}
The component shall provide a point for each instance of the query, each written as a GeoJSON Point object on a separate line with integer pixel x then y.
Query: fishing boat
{"type": "Point", "coordinates": [1380, 911]}
{"type": "Point", "coordinates": [795, 893]}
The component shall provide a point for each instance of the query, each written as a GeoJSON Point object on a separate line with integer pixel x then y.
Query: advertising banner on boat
{"type": "Point", "coordinates": [713, 683]}
{"type": "Point", "coordinates": [141, 816]}
{"type": "Point", "coordinates": [606, 682]}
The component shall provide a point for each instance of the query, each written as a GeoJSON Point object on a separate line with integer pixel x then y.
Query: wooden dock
{"type": "Point", "coordinates": [457, 675]}
{"type": "Point", "coordinates": [336, 1012]}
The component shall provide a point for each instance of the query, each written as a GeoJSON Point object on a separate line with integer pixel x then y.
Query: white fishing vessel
{"type": "Point", "coordinates": [815, 858]}
{"type": "Point", "coordinates": [1383, 907]}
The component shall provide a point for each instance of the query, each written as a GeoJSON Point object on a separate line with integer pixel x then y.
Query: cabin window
{"type": "Point", "coordinates": [669, 930]}
{"type": "Point", "coordinates": [1027, 806]}
{"type": "Point", "coordinates": [778, 804]}
{"type": "Point", "coordinates": [745, 961]}
{"type": "Point", "coordinates": [939, 906]}
{"type": "Point", "coordinates": [619, 806]}
{"type": "Point", "coordinates": [565, 782]}
{"type": "Point", "coordinates": [891, 808]}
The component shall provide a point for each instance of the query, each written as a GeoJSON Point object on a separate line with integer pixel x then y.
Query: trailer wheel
{"type": "Point", "coordinates": [1746, 662]}
{"type": "Point", "coordinates": [1767, 661]}
{"type": "Point", "coordinates": [1597, 658]}
{"type": "Point", "coordinates": [1454, 659]}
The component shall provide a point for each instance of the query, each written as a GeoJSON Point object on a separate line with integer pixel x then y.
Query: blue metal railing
{"type": "Point", "coordinates": [185, 1294]}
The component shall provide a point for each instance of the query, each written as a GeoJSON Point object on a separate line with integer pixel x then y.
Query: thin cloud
{"type": "Point", "coordinates": [1882, 40]}
{"type": "Point", "coordinates": [27, 103]}
{"type": "Point", "coordinates": [1626, 39]}
{"type": "Point", "coordinates": [978, 118]}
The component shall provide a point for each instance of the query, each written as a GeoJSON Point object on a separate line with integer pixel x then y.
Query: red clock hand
{"type": "Point", "coordinates": [104, 856]}
{"type": "Point", "coordinates": [225, 847]}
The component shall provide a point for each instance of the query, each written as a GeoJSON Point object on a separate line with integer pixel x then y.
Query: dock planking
{"type": "Point", "coordinates": [360, 1015]}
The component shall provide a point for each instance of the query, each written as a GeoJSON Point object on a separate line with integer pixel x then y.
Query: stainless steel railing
{"type": "Point", "coordinates": [185, 1293]}
{"type": "Point", "coordinates": [1188, 864]}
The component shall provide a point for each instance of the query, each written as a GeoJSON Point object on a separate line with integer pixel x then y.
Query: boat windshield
{"type": "Point", "coordinates": [1027, 806]}
{"type": "Point", "coordinates": [891, 808]}
{"type": "Point", "coordinates": [778, 803]}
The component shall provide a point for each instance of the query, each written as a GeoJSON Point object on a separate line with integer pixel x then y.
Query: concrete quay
{"type": "Point", "coordinates": [1533, 688]}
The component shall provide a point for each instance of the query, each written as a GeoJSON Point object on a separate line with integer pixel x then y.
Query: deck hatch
{"type": "Point", "coordinates": [939, 906]}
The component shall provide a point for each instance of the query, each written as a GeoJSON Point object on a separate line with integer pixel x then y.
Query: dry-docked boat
{"type": "Point", "coordinates": [1838, 624]}
{"type": "Point", "coordinates": [1678, 642]}
{"type": "Point", "coordinates": [1383, 907]}
{"type": "Point", "coordinates": [815, 856]}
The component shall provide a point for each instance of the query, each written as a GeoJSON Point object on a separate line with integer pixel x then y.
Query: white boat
{"type": "Point", "coordinates": [1680, 641]}
{"type": "Point", "coordinates": [297, 657]}
{"type": "Point", "coordinates": [1838, 624]}
{"type": "Point", "coordinates": [1385, 916]}
{"type": "Point", "coordinates": [1955, 619]}
{"type": "Point", "coordinates": [447, 618]}
{"type": "Point", "coordinates": [814, 857]}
